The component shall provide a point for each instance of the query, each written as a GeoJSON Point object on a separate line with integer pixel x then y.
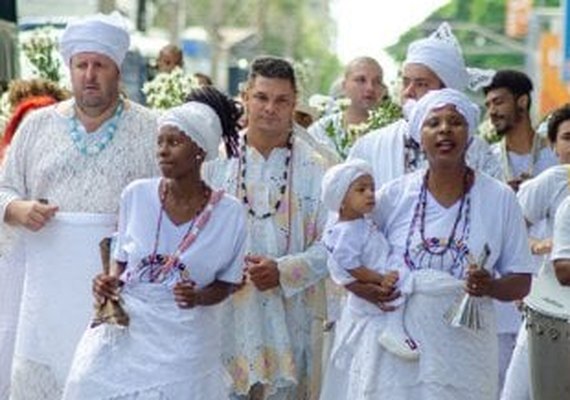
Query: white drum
{"type": "Point", "coordinates": [547, 314]}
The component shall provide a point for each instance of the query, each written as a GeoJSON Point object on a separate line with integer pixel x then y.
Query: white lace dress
{"type": "Point", "coordinates": [44, 163]}
{"type": "Point", "coordinates": [454, 363]}
{"type": "Point", "coordinates": [274, 337]}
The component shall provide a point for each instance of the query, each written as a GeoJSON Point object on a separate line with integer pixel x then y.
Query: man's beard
{"type": "Point", "coordinates": [511, 123]}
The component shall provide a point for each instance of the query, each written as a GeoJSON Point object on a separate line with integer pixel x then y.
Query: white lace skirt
{"type": "Point", "coordinates": [454, 363]}
{"type": "Point", "coordinates": [165, 353]}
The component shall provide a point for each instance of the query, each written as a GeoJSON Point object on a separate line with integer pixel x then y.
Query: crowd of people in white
{"type": "Point", "coordinates": [253, 262]}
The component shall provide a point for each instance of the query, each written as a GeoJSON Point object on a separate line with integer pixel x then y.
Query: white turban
{"type": "Point", "coordinates": [101, 33]}
{"type": "Point", "coordinates": [441, 53]}
{"type": "Point", "coordinates": [337, 180]}
{"type": "Point", "coordinates": [436, 99]}
{"type": "Point", "coordinates": [199, 122]}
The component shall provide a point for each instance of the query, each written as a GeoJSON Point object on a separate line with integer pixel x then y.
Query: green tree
{"type": "Point", "coordinates": [488, 14]}
{"type": "Point", "coordinates": [302, 30]}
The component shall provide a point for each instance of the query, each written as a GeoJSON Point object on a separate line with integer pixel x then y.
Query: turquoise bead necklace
{"type": "Point", "coordinates": [89, 144]}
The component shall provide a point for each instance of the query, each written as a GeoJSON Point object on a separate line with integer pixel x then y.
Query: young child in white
{"type": "Point", "coordinates": [358, 251]}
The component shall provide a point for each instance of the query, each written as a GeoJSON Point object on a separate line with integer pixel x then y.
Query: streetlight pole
{"type": "Point", "coordinates": [141, 15]}
{"type": "Point", "coordinates": [178, 18]}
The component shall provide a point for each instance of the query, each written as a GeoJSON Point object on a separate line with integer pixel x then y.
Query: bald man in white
{"type": "Point", "coordinates": [363, 85]}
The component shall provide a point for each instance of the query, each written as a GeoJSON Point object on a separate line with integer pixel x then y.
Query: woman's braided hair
{"type": "Point", "coordinates": [229, 111]}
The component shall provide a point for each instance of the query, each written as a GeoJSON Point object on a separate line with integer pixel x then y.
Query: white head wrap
{"type": "Point", "coordinates": [199, 122]}
{"type": "Point", "coordinates": [101, 33]}
{"type": "Point", "coordinates": [436, 99]}
{"type": "Point", "coordinates": [337, 180]}
{"type": "Point", "coordinates": [442, 54]}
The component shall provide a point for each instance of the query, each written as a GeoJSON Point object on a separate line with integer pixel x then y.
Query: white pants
{"type": "Point", "coordinates": [507, 342]}
{"type": "Point", "coordinates": [517, 379]}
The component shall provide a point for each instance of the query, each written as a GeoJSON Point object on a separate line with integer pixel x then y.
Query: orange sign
{"type": "Point", "coordinates": [554, 92]}
{"type": "Point", "coordinates": [517, 16]}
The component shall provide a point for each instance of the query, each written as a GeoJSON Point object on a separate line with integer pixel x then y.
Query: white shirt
{"type": "Point", "coordinates": [207, 259]}
{"type": "Point", "coordinates": [561, 244]}
{"type": "Point", "coordinates": [353, 244]}
{"type": "Point", "coordinates": [43, 161]}
{"type": "Point", "coordinates": [501, 227]}
{"type": "Point", "coordinates": [541, 196]}
{"type": "Point", "coordinates": [523, 163]}
{"type": "Point", "coordinates": [318, 130]}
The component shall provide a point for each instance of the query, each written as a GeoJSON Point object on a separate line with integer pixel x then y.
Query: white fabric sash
{"type": "Point", "coordinates": [430, 282]}
{"type": "Point", "coordinates": [454, 357]}
{"type": "Point", "coordinates": [61, 261]}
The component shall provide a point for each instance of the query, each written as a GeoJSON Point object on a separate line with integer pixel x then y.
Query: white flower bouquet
{"type": "Point", "coordinates": [386, 113]}
{"type": "Point", "coordinates": [167, 90]}
{"type": "Point", "coordinates": [41, 50]}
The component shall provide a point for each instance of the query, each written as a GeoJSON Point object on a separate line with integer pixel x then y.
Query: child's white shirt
{"type": "Point", "coordinates": [357, 243]}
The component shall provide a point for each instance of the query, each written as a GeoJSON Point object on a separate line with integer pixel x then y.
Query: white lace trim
{"type": "Point", "coordinates": [43, 162]}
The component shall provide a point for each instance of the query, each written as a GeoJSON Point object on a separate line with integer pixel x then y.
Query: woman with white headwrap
{"type": "Point", "coordinates": [179, 251]}
{"type": "Point", "coordinates": [438, 221]}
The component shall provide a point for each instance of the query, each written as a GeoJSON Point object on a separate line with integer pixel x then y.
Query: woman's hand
{"type": "Point", "coordinates": [540, 247]}
{"type": "Point", "coordinates": [390, 280]}
{"type": "Point", "coordinates": [479, 282]}
{"type": "Point", "coordinates": [186, 295]}
{"type": "Point", "coordinates": [375, 294]}
{"type": "Point", "coordinates": [106, 287]}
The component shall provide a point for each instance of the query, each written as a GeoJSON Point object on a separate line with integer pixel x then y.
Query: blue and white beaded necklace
{"type": "Point", "coordinates": [91, 144]}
